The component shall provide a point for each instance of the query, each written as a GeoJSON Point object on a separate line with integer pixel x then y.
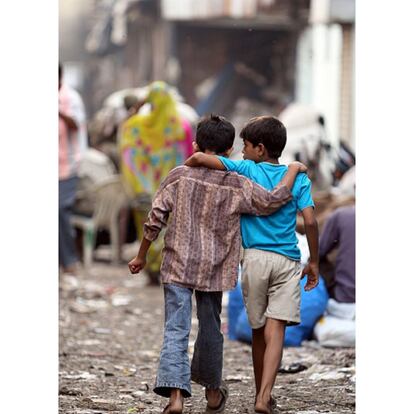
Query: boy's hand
{"type": "Point", "coordinates": [293, 170]}
{"type": "Point", "coordinates": [299, 166]}
{"type": "Point", "coordinates": [193, 160]}
{"type": "Point", "coordinates": [136, 265]}
{"type": "Point", "coordinates": [312, 272]}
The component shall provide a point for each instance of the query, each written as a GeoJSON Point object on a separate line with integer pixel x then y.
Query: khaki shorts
{"type": "Point", "coordinates": [271, 287]}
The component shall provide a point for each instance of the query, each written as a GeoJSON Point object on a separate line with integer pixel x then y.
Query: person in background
{"type": "Point", "coordinates": [337, 247]}
{"type": "Point", "coordinates": [345, 161]}
{"type": "Point", "coordinates": [185, 147]}
{"type": "Point", "coordinates": [149, 150]}
{"type": "Point", "coordinates": [339, 232]}
{"type": "Point", "coordinates": [72, 143]}
{"type": "Point", "coordinates": [132, 105]}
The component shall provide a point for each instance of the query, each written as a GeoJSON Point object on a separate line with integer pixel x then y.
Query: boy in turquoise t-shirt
{"type": "Point", "coordinates": [271, 262]}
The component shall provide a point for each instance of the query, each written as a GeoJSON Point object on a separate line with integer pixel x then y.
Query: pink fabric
{"type": "Point", "coordinates": [69, 151]}
{"type": "Point", "coordinates": [187, 144]}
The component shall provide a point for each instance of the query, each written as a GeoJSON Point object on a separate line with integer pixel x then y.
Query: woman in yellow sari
{"type": "Point", "coordinates": [149, 150]}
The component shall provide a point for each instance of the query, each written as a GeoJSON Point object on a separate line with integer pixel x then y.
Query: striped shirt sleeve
{"type": "Point", "coordinates": [158, 216]}
{"type": "Point", "coordinates": [258, 201]}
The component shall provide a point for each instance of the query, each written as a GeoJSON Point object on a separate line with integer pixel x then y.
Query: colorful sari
{"type": "Point", "coordinates": [149, 151]}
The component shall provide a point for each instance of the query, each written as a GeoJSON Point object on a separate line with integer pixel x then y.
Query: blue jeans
{"type": "Point", "coordinates": [67, 249]}
{"type": "Point", "coordinates": [207, 364]}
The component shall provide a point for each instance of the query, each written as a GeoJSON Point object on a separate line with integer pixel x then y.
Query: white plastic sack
{"type": "Point", "coordinates": [337, 327]}
{"type": "Point", "coordinates": [341, 310]}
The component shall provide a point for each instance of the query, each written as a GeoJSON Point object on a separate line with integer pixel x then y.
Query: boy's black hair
{"type": "Point", "coordinates": [266, 130]}
{"type": "Point", "coordinates": [215, 133]}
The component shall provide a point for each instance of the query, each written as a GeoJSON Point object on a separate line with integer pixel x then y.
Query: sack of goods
{"type": "Point", "coordinates": [337, 327]}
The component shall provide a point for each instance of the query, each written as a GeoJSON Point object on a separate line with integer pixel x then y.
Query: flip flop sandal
{"type": "Point", "coordinates": [292, 368]}
{"type": "Point", "coordinates": [224, 396]}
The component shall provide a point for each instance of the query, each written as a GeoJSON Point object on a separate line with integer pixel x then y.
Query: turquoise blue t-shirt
{"type": "Point", "coordinates": [277, 232]}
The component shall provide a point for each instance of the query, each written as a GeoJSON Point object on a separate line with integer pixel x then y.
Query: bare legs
{"type": "Point", "coordinates": [258, 350]}
{"type": "Point", "coordinates": [267, 349]}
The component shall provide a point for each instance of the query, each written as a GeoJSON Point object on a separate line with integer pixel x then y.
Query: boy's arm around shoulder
{"type": "Point", "coordinates": [259, 201]}
{"type": "Point", "coordinates": [200, 159]}
{"type": "Point", "coordinates": [294, 169]}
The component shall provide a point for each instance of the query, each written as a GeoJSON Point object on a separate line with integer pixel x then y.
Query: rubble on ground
{"type": "Point", "coordinates": [111, 327]}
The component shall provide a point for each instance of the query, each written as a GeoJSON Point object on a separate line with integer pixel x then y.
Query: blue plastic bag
{"type": "Point", "coordinates": [234, 309]}
{"type": "Point", "coordinates": [313, 305]}
{"type": "Point", "coordinates": [243, 329]}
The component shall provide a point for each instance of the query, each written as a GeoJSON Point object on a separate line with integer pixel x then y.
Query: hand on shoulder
{"type": "Point", "coordinates": [298, 166]}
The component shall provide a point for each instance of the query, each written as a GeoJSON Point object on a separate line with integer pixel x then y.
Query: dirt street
{"type": "Point", "coordinates": [111, 334]}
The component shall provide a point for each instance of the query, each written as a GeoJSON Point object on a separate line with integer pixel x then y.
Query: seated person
{"type": "Point", "coordinates": [339, 232]}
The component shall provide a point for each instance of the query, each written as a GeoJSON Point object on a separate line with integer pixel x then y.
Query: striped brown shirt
{"type": "Point", "coordinates": [202, 241]}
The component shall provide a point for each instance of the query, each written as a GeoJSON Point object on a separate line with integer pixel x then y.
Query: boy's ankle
{"type": "Point", "coordinates": [264, 398]}
{"type": "Point", "coordinates": [176, 394]}
{"type": "Point", "coordinates": [213, 392]}
{"type": "Point", "coordinates": [213, 396]}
